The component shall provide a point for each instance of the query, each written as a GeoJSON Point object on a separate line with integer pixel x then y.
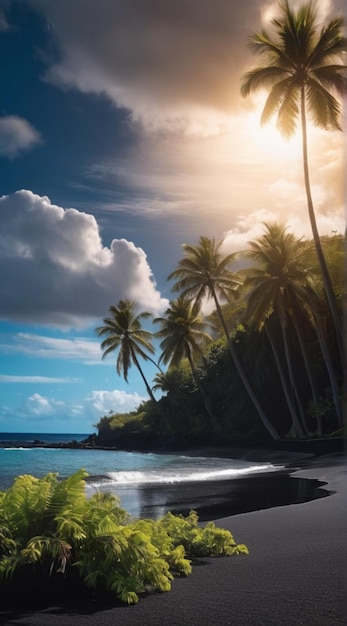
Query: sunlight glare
{"type": "Point", "coordinates": [268, 12]}
{"type": "Point", "coordinates": [268, 142]}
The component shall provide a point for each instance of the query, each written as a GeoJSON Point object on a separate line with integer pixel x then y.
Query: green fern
{"type": "Point", "coordinates": [49, 528]}
{"type": "Point", "coordinates": [199, 541]}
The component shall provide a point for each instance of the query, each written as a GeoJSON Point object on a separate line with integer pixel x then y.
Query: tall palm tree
{"type": "Point", "coordinates": [184, 334]}
{"type": "Point", "coordinates": [124, 332]}
{"type": "Point", "coordinates": [278, 281]}
{"type": "Point", "coordinates": [316, 312]}
{"type": "Point", "coordinates": [204, 272]}
{"type": "Point", "coordinates": [302, 67]}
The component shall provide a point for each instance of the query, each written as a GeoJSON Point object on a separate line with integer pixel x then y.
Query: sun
{"type": "Point", "coordinates": [269, 142]}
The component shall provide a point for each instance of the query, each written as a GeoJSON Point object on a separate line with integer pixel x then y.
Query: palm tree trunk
{"type": "Point", "coordinates": [324, 269]}
{"type": "Point", "coordinates": [149, 390]}
{"type": "Point", "coordinates": [284, 383]}
{"type": "Point", "coordinates": [201, 389]}
{"type": "Point", "coordinates": [266, 422]}
{"type": "Point", "coordinates": [330, 369]}
{"type": "Point", "coordinates": [308, 371]}
{"type": "Point", "coordinates": [301, 411]}
{"type": "Point", "coordinates": [293, 394]}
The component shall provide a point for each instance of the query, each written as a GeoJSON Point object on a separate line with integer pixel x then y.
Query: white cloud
{"type": "Point", "coordinates": [102, 402]}
{"type": "Point", "coordinates": [39, 346]}
{"type": "Point", "coordinates": [38, 405]}
{"type": "Point", "coordinates": [5, 378]}
{"type": "Point", "coordinates": [55, 270]}
{"type": "Point", "coordinates": [250, 227]}
{"type": "Point", "coordinates": [178, 70]}
{"type": "Point", "coordinates": [16, 135]}
{"type": "Point", "coordinates": [215, 180]}
{"type": "Point", "coordinates": [94, 406]}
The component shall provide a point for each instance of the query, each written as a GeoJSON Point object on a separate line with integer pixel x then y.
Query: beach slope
{"type": "Point", "coordinates": [295, 573]}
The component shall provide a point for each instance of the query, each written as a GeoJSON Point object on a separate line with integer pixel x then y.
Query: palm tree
{"type": "Point", "coordinates": [315, 308]}
{"type": "Point", "coordinates": [184, 335]}
{"type": "Point", "coordinates": [124, 333]}
{"type": "Point", "coordinates": [302, 66]}
{"type": "Point", "coordinates": [278, 282]}
{"type": "Point", "coordinates": [204, 272]}
{"type": "Point", "coordinates": [161, 382]}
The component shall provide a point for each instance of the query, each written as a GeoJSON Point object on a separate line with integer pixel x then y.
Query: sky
{"type": "Point", "coordinates": [123, 134]}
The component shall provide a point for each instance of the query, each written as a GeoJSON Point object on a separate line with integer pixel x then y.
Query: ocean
{"type": "Point", "coordinates": [147, 484]}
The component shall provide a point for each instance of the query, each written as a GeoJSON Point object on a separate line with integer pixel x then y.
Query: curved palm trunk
{"type": "Point", "coordinates": [308, 371]}
{"type": "Point", "coordinates": [324, 269]}
{"type": "Point", "coordinates": [201, 389]}
{"type": "Point", "coordinates": [149, 390]}
{"type": "Point", "coordinates": [293, 394]}
{"type": "Point", "coordinates": [156, 364]}
{"type": "Point", "coordinates": [301, 411]}
{"type": "Point", "coordinates": [283, 380]}
{"type": "Point", "coordinates": [330, 369]}
{"type": "Point", "coordinates": [266, 422]}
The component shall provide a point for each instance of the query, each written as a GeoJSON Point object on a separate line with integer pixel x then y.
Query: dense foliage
{"type": "Point", "coordinates": [55, 541]}
{"type": "Point", "coordinates": [283, 335]}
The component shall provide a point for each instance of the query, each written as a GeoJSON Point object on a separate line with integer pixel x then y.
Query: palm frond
{"type": "Point", "coordinates": [263, 77]}
{"type": "Point", "coordinates": [331, 76]}
{"type": "Point", "coordinates": [324, 108]}
{"type": "Point", "coordinates": [330, 44]}
{"type": "Point", "coordinates": [275, 99]}
{"type": "Point", "coordinates": [299, 57]}
{"type": "Point", "coordinates": [124, 333]}
{"type": "Point", "coordinates": [288, 112]}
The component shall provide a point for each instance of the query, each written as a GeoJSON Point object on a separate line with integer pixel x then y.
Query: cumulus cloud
{"type": "Point", "coordinates": [55, 270]}
{"type": "Point", "coordinates": [16, 135]}
{"type": "Point", "coordinates": [94, 406]}
{"type": "Point", "coordinates": [250, 227]}
{"type": "Point", "coordinates": [38, 405]}
{"type": "Point", "coordinates": [102, 402]}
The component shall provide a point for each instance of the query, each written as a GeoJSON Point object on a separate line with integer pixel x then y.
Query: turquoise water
{"type": "Point", "coordinates": [129, 475]}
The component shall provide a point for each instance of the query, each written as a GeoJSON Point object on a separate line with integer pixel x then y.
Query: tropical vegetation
{"type": "Point", "coordinates": [274, 365]}
{"type": "Point", "coordinates": [183, 334]}
{"type": "Point", "coordinates": [58, 544]}
{"type": "Point", "coordinates": [271, 327]}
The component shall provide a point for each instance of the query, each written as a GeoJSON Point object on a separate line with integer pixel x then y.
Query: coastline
{"type": "Point", "coordinates": [295, 573]}
{"type": "Point", "coordinates": [236, 449]}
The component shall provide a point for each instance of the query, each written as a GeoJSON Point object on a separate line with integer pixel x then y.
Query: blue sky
{"type": "Point", "coordinates": [122, 136]}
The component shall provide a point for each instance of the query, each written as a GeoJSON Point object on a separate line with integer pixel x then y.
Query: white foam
{"type": "Point", "coordinates": [167, 477]}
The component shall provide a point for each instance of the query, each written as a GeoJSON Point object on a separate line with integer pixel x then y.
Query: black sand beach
{"type": "Point", "coordinates": [295, 573]}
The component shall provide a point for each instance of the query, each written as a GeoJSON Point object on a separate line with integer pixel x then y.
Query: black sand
{"type": "Point", "coordinates": [295, 573]}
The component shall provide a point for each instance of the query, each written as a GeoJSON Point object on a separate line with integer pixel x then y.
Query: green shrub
{"type": "Point", "coordinates": [52, 534]}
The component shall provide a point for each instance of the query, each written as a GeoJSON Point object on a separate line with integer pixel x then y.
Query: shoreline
{"type": "Point", "coordinates": [276, 484]}
{"type": "Point", "coordinates": [295, 572]}
{"type": "Point", "coordinates": [310, 447]}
